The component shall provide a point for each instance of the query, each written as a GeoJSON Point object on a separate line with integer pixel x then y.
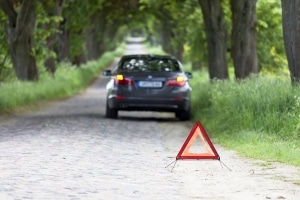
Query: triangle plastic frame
{"type": "Point", "coordinates": [211, 151]}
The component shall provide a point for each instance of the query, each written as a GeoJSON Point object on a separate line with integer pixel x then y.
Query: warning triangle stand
{"type": "Point", "coordinates": [188, 150]}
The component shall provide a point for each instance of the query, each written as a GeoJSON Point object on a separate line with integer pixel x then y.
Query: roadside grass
{"type": "Point", "coordinates": [259, 117]}
{"type": "Point", "coordinates": [68, 80]}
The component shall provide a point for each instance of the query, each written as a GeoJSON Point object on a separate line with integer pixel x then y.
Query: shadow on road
{"type": "Point", "coordinates": [147, 116]}
{"type": "Point", "coordinates": [157, 119]}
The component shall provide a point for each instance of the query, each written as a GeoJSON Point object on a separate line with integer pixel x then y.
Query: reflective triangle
{"type": "Point", "coordinates": [204, 151]}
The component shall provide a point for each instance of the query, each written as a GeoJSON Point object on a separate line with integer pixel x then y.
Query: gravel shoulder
{"type": "Point", "coordinates": [245, 179]}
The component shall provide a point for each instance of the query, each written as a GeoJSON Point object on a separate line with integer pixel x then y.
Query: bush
{"type": "Point", "coordinates": [67, 81]}
{"type": "Point", "coordinates": [259, 116]}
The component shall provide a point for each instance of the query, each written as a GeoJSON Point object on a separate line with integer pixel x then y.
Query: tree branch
{"type": "Point", "coordinates": [25, 14]}
{"type": "Point", "coordinates": [8, 9]}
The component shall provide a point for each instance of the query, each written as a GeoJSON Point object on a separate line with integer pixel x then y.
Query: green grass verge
{"type": "Point", "coordinates": [68, 80]}
{"type": "Point", "coordinates": [259, 117]}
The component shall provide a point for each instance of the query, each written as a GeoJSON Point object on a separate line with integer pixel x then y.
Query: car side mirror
{"type": "Point", "coordinates": [189, 75]}
{"type": "Point", "coordinates": [107, 72]}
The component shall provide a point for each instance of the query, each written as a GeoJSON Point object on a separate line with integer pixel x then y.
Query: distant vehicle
{"type": "Point", "coordinates": [148, 83]}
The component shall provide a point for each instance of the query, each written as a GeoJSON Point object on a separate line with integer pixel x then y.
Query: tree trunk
{"type": "Point", "coordinates": [94, 36]}
{"type": "Point", "coordinates": [196, 65]}
{"type": "Point", "coordinates": [78, 52]}
{"type": "Point", "coordinates": [178, 52]}
{"type": "Point", "coordinates": [79, 59]}
{"type": "Point", "coordinates": [19, 33]}
{"type": "Point", "coordinates": [243, 50]}
{"type": "Point", "coordinates": [252, 59]}
{"type": "Point", "coordinates": [216, 36]}
{"type": "Point", "coordinates": [50, 62]}
{"type": "Point", "coordinates": [109, 37]}
{"type": "Point", "coordinates": [92, 44]}
{"type": "Point", "coordinates": [166, 36]}
{"type": "Point", "coordinates": [63, 45]}
{"type": "Point", "coordinates": [53, 9]}
{"type": "Point", "coordinates": [291, 35]}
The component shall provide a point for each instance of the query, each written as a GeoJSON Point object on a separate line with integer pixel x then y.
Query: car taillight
{"type": "Point", "coordinates": [121, 80]}
{"type": "Point", "coordinates": [179, 81]}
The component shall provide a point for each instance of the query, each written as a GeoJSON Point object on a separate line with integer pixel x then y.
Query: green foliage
{"type": "Point", "coordinates": [196, 45]}
{"type": "Point", "coordinates": [45, 27]}
{"type": "Point", "coordinates": [155, 50]}
{"type": "Point", "coordinates": [67, 81]}
{"type": "Point", "coordinates": [270, 46]}
{"type": "Point", "coordinates": [184, 16]}
{"type": "Point", "coordinates": [259, 117]}
{"type": "Point", "coordinates": [180, 22]}
{"type": "Point", "coordinates": [76, 14]}
{"type": "Point", "coordinates": [6, 70]}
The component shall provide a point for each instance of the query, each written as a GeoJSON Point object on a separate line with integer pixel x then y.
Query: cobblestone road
{"type": "Point", "coordinates": [69, 150]}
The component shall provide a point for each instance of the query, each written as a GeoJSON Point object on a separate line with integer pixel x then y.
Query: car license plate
{"type": "Point", "coordinates": [150, 84]}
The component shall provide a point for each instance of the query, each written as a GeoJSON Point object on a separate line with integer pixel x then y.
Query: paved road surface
{"type": "Point", "coordinates": [69, 150]}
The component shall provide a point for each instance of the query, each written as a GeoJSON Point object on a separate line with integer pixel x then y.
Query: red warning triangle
{"type": "Point", "coordinates": [208, 150]}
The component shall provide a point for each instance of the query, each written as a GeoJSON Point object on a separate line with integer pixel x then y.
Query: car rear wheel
{"type": "Point", "coordinates": [111, 113]}
{"type": "Point", "coordinates": [184, 115]}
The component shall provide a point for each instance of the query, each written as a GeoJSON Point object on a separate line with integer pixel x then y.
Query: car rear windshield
{"type": "Point", "coordinates": [149, 64]}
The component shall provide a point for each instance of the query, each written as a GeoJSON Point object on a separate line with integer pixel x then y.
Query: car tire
{"type": "Point", "coordinates": [184, 115]}
{"type": "Point", "coordinates": [111, 113]}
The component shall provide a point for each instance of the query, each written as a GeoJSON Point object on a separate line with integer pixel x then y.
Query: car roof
{"type": "Point", "coordinates": [148, 56]}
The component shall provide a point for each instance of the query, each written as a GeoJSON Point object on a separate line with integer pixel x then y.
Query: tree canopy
{"type": "Point", "coordinates": [243, 34]}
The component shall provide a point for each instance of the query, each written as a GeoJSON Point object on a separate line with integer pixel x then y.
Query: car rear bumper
{"type": "Point", "coordinates": [150, 104]}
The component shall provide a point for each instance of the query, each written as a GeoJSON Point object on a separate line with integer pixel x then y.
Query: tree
{"type": "Point", "coordinates": [117, 14]}
{"type": "Point", "coordinates": [173, 27]}
{"type": "Point", "coordinates": [53, 11]}
{"type": "Point", "coordinates": [19, 33]}
{"type": "Point", "coordinates": [4, 54]}
{"type": "Point", "coordinates": [94, 36]}
{"type": "Point", "coordinates": [271, 52]}
{"type": "Point", "coordinates": [243, 40]}
{"type": "Point", "coordinates": [216, 36]}
{"type": "Point", "coordinates": [72, 28]}
{"type": "Point", "coordinates": [169, 27]}
{"type": "Point", "coordinates": [196, 46]}
{"type": "Point", "coordinates": [291, 35]}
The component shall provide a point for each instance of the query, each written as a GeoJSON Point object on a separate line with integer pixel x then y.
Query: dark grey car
{"type": "Point", "coordinates": [148, 83]}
